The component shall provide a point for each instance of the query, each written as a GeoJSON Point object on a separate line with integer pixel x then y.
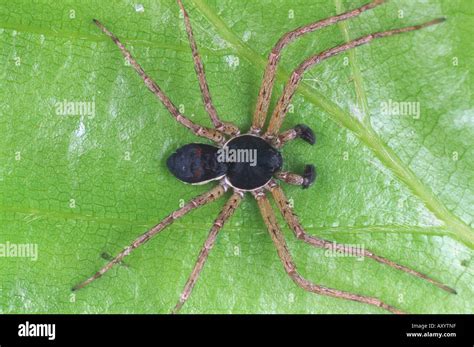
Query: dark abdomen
{"type": "Point", "coordinates": [196, 163]}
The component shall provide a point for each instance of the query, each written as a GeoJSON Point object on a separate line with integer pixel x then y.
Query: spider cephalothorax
{"type": "Point", "coordinates": [252, 162]}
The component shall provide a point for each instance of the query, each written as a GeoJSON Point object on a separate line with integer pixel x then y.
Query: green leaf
{"type": "Point", "coordinates": [79, 186]}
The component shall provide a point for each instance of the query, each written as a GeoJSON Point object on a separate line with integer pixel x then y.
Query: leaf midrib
{"type": "Point", "coordinates": [32, 215]}
{"type": "Point", "coordinates": [180, 46]}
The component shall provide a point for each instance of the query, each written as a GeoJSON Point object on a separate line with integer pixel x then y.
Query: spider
{"type": "Point", "coordinates": [199, 163]}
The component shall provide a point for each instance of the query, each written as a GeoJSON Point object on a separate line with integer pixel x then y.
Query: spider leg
{"type": "Point", "coordinates": [223, 216]}
{"type": "Point", "coordinates": [294, 224]}
{"type": "Point", "coordinates": [198, 201]}
{"type": "Point", "coordinates": [300, 131]}
{"type": "Point", "coordinates": [211, 134]}
{"type": "Point", "coordinates": [266, 88]}
{"type": "Point", "coordinates": [290, 267]}
{"type": "Point", "coordinates": [282, 105]}
{"type": "Point", "coordinates": [304, 181]}
{"type": "Point", "coordinates": [225, 127]}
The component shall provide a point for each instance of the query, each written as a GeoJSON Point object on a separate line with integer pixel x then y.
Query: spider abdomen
{"type": "Point", "coordinates": [196, 163]}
